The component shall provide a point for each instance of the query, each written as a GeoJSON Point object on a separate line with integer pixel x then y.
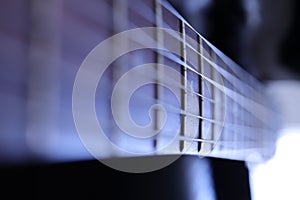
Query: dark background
{"type": "Point", "coordinates": [269, 51]}
{"type": "Point", "coordinates": [93, 180]}
{"type": "Point", "coordinates": [261, 36]}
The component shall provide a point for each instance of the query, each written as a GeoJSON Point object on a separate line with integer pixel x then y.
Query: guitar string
{"type": "Point", "coordinates": [226, 124]}
{"type": "Point", "coordinates": [186, 138]}
{"type": "Point", "coordinates": [256, 109]}
{"type": "Point", "coordinates": [229, 63]}
{"type": "Point", "coordinates": [148, 13]}
{"type": "Point", "coordinates": [170, 108]}
{"type": "Point", "coordinates": [218, 142]}
{"type": "Point", "coordinates": [174, 108]}
{"type": "Point", "coordinates": [241, 97]}
{"type": "Point", "coordinates": [146, 9]}
{"type": "Point", "coordinates": [213, 64]}
{"type": "Point", "coordinates": [207, 60]}
{"type": "Point", "coordinates": [227, 90]}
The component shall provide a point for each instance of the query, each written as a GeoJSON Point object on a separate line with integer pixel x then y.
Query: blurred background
{"type": "Point", "coordinates": [262, 37]}
{"type": "Point", "coordinates": [42, 46]}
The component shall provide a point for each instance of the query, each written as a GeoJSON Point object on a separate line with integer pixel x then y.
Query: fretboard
{"type": "Point", "coordinates": [126, 78]}
{"type": "Point", "coordinates": [205, 104]}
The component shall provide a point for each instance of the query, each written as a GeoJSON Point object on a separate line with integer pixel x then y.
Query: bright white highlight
{"type": "Point", "coordinates": [279, 178]}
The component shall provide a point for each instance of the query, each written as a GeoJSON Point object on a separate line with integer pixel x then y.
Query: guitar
{"type": "Point", "coordinates": [146, 85]}
{"type": "Point", "coordinates": [221, 110]}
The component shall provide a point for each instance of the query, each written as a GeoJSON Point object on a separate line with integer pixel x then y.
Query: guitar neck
{"type": "Point", "coordinates": [153, 86]}
{"type": "Point", "coordinates": [239, 118]}
{"type": "Point", "coordinates": [221, 110]}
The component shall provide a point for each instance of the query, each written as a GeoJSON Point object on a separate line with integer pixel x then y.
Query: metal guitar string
{"type": "Point", "coordinates": [227, 91]}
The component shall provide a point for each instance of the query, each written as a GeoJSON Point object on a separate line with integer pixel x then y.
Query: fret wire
{"type": "Point", "coordinates": [213, 96]}
{"type": "Point", "coordinates": [184, 83]}
{"type": "Point", "coordinates": [200, 85]}
{"type": "Point", "coordinates": [159, 70]}
{"type": "Point", "coordinates": [119, 23]}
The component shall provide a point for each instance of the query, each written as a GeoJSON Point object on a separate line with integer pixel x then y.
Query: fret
{"type": "Point", "coordinates": [200, 82]}
{"type": "Point", "coordinates": [159, 70]}
{"type": "Point", "coordinates": [194, 59]}
{"type": "Point", "coordinates": [42, 85]}
{"type": "Point", "coordinates": [119, 23]}
{"type": "Point", "coordinates": [214, 96]}
{"type": "Point", "coordinates": [207, 111]}
{"type": "Point", "coordinates": [184, 83]}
